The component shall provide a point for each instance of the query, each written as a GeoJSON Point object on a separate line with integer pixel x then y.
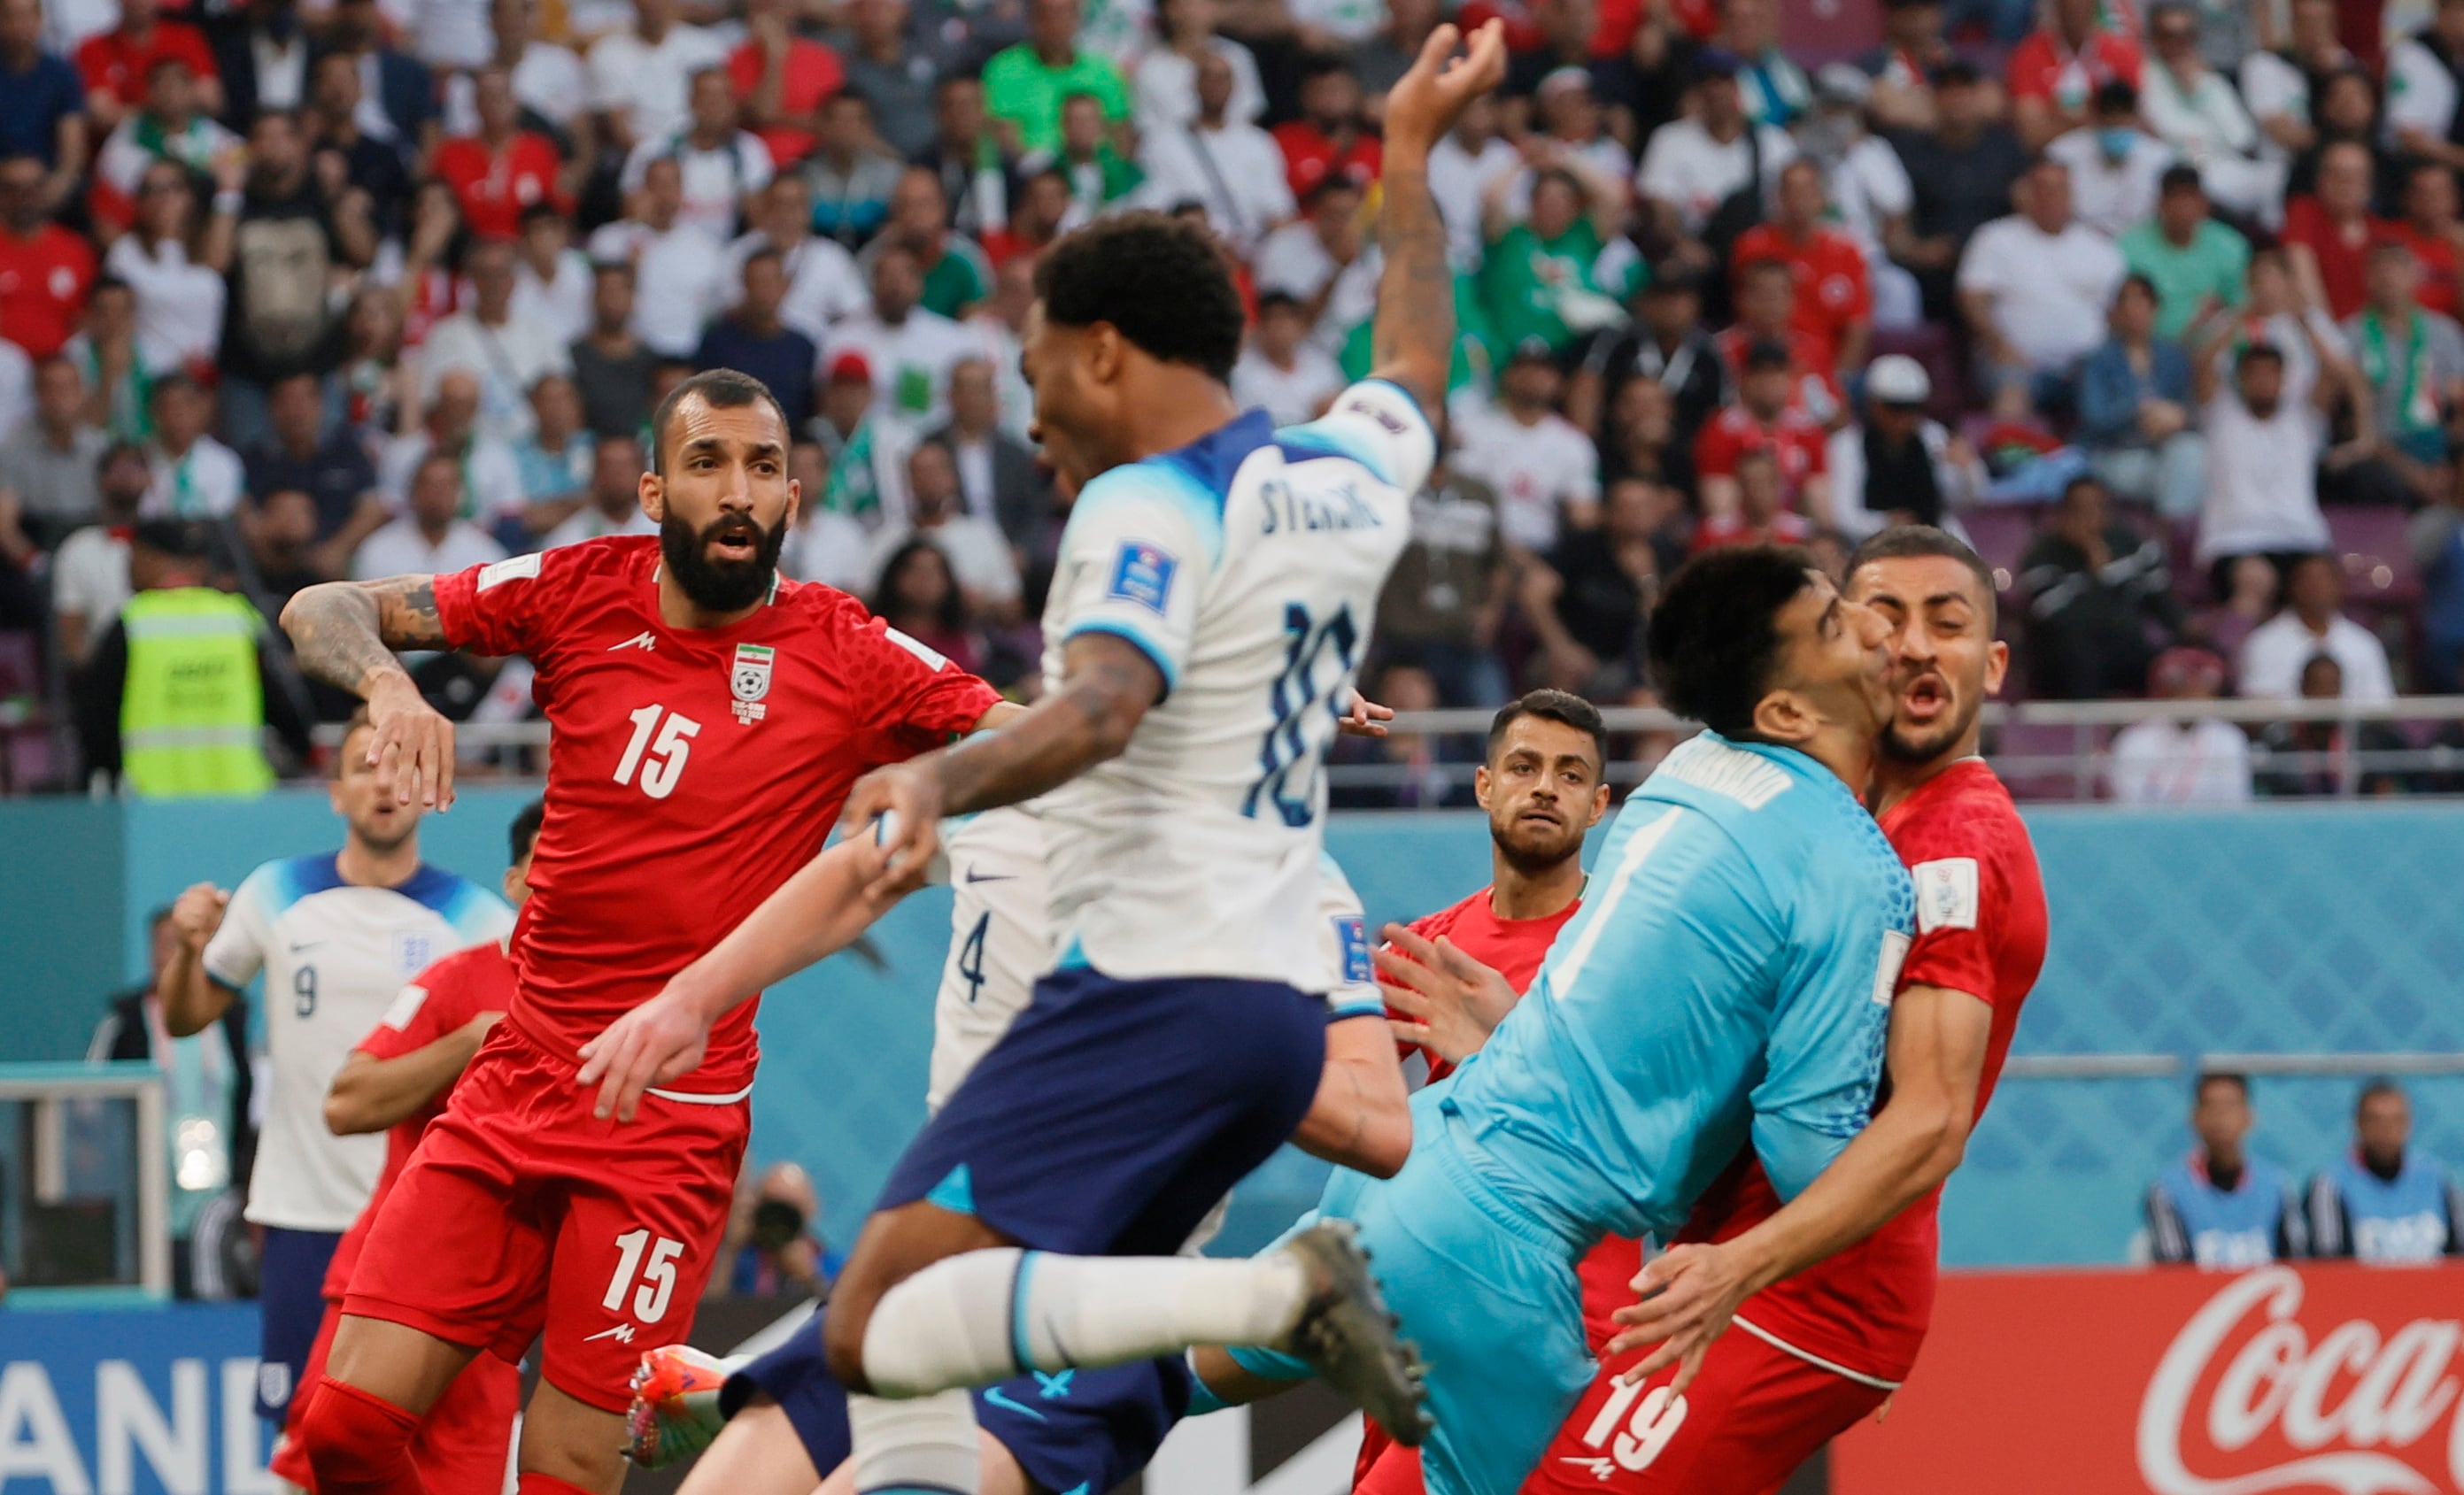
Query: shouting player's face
{"type": "Point", "coordinates": [725, 502]}
{"type": "Point", "coordinates": [377, 822]}
{"type": "Point", "coordinates": [1945, 660]}
{"type": "Point", "coordinates": [1541, 790]}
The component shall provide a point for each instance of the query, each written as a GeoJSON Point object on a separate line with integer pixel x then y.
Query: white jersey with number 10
{"type": "Point", "coordinates": [1246, 566]}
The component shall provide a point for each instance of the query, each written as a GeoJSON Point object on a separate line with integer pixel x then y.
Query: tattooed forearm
{"type": "Point", "coordinates": [1414, 338]}
{"type": "Point", "coordinates": [344, 632]}
{"type": "Point", "coordinates": [1088, 721]}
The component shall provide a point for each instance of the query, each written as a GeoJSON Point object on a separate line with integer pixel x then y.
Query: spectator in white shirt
{"type": "Point", "coordinates": [490, 482]}
{"type": "Point", "coordinates": [506, 354]}
{"type": "Point", "coordinates": [195, 476]}
{"type": "Point", "coordinates": [432, 537]}
{"type": "Point", "coordinates": [1170, 81]}
{"type": "Point", "coordinates": [2165, 761]}
{"type": "Point", "coordinates": [614, 506]}
{"type": "Point", "coordinates": [641, 80]}
{"type": "Point", "coordinates": [823, 286]}
{"type": "Point", "coordinates": [681, 271]}
{"type": "Point", "coordinates": [2421, 96]}
{"type": "Point", "coordinates": [1460, 168]}
{"type": "Point", "coordinates": [1280, 372]}
{"type": "Point", "coordinates": [175, 264]}
{"type": "Point", "coordinates": [1214, 158]}
{"type": "Point", "coordinates": [1545, 472]}
{"type": "Point", "coordinates": [718, 165]}
{"type": "Point", "coordinates": [548, 80]}
{"type": "Point", "coordinates": [978, 555]}
{"type": "Point", "coordinates": [2034, 288]}
{"type": "Point", "coordinates": [2262, 493]}
{"type": "Point", "coordinates": [2194, 110]}
{"type": "Point", "coordinates": [2117, 169]}
{"type": "Point", "coordinates": [90, 570]}
{"type": "Point", "coordinates": [1322, 261]}
{"type": "Point", "coordinates": [2313, 622]}
{"type": "Point", "coordinates": [1700, 159]}
{"type": "Point", "coordinates": [2275, 85]}
{"type": "Point", "coordinates": [551, 280]}
{"type": "Point", "coordinates": [909, 349]}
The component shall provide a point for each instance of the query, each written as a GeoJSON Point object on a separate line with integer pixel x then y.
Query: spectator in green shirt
{"type": "Point", "coordinates": [1099, 176]}
{"type": "Point", "coordinates": [957, 273]}
{"type": "Point", "coordinates": [1024, 85]}
{"type": "Point", "coordinates": [1539, 277]}
{"type": "Point", "coordinates": [2195, 263]}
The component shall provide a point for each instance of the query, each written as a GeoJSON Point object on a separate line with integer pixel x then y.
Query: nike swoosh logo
{"type": "Point", "coordinates": [305, 944]}
{"type": "Point", "coordinates": [973, 877]}
{"type": "Point", "coordinates": [1000, 1399]}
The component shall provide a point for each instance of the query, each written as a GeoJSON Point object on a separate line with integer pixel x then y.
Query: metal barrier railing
{"type": "Point", "coordinates": [2296, 1065]}
{"type": "Point", "coordinates": [48, 1090]}
{"type": "Point", "coordinates": [2089, 725]}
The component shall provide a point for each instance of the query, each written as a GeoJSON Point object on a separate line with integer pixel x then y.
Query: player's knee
{"type": "Point", "coordinates": [354, 1441]}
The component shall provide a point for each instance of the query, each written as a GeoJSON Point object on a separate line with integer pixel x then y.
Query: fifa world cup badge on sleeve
{"type": "Point", "coordinates": [750, 679]}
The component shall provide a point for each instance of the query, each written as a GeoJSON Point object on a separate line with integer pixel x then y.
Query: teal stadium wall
{"type": "Point", "coordinates": [2275, 929]}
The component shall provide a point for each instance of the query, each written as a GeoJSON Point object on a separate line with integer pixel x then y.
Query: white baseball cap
{"type": "Point", "coordinates": [1897, 379]}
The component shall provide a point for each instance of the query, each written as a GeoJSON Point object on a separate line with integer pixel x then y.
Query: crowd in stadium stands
{"type": "Point", "coordinates": [2224, 1209]}
{"type": "Point", "coordinates": [2154, 301]}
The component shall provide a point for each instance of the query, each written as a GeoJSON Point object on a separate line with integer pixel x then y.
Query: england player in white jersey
{"type": "Point", "coordinates": [334, 936]}
{"type": "Point", "coordinates": [1215, 586]}
{"type": "Point", "coordinates": [1048, 1432]}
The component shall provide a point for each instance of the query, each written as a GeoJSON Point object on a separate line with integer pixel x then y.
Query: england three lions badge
{"type": "Point", "coordinates": [749, 677]}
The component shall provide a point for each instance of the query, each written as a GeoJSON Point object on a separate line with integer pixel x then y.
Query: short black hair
{"type": "Point", "coordinates": [2206, 1077]}
{"type": "Point", "coordinates": [719, 388]}
{"type": "Point", "coordinates": [2180, 177]}
{"type": "Point", "coordinates": [2120, 96]}
{"type": "Point", "coordinates": [2259, 353]}
{"type": "Point", "coordinates": [524, 832]}
{"type": "Point", "coordinates": [1558, 706]}
{"type": "Point", "coordinates": [1714, 638]}
{"type": "Point", "coordinates": [1903, 540]}
{"type": "Point", "coordinates": [1158, 283]}
{"type": "Point", "coordinates": [2136, 280]}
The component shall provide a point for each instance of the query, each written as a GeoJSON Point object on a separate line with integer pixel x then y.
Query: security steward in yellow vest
{"type": "Point", "coordinates": [174, 699]}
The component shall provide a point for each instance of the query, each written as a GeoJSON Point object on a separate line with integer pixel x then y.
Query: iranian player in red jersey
{"type": "Point", "coordinates": [1824, 1344]}
{"type": "Point", "coordinates": [1541, 784]}
{"type": "Point", "coordinates": [707, 718]}
{"type": "Point", "coordinates": [396, 1081]}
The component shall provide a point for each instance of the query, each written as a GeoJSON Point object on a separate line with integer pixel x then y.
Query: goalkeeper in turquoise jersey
{"type": "Point", "coordinates": [1726, 985]}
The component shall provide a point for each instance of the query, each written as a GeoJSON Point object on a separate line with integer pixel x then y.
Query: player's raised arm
{"type": "Point", "coordinates": [345, 633]}
{"type": "Point", "coordinates": [1414, 336]}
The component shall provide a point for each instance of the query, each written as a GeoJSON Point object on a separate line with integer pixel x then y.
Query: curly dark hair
{"type": "Point", "coordinates": [1714, 637]}
{"type": "Point", "coordinates": [1159, 283]}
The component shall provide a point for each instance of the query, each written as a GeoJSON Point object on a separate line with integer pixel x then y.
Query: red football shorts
{"type": "Point", "coordinates": [1754, 1414]}
{"type": "Point", "coordinates": [522, 1216]}
{"type": "Point", "coordinates": [463, 1444]}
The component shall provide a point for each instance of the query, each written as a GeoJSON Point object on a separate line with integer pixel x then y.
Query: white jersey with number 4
{"type": "Point", "coordinates": [1246, 566]}
{"type": "Point", "coordinates": [1000, 940]}
{"type": "Point", "coordinates": [335, 956]}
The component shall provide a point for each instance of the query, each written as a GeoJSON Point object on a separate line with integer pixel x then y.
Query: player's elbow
{"type": "Point", "coordinates": [1938, 1128]}
{"type": "Point", "coordinates": [1386, 1144]}
{"type": "Point", "coordinates": [349, 1110]}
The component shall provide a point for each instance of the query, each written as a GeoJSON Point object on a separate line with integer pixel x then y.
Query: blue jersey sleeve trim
{"type": "Point", "coordinates": [1410, 399]}
{"type": "Point", "coordinates": [1316, 442]}
{"type": "Point", "coordinates": [1145, 645]}
{"type": "Point", "coordinates": [219, 981]}
{"type": "Point", "coordinates": [1346, 1012]}
{"type": "Point", "coordinates": [1018, 1310]}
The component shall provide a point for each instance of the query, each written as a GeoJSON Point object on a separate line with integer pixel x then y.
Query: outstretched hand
{"type": "Point", "coordinates": [1425, 104]}
{"type": "Point", "coordinates": [656, 1041]}
{"type": "Point", "coordinates": [1450, 1002]}
{"type": "Point", "coordinates": [1689, 1294]}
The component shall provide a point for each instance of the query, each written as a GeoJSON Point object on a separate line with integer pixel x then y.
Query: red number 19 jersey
{"type": "Point", "coordinates": [691, 771]}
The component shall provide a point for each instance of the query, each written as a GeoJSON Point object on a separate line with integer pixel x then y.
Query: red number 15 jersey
{"type": "Point", "coordinates": [691, 771]}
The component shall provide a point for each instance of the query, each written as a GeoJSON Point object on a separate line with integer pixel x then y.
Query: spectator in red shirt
{"type": "Point", "coordinates": [1327, 136]}
{"type": "Point", "coordinates": [502, 170]}
{"type": "Point", "coordinates": [1762, 421]}
{"type": "Point", "coordinates": [2054, 74]}
{"type": "Point", "coordinates": [1767, 298]}
{"type": "Point", "coordinates": [2330, 234]}
{"type": "Point", "coordinates": [1833, 300]}
{"type": "Point", "coordinates": [1763, 517]}
{"type": "Point", "coordinates": [113, 64]}
{"type": "Point", "coordinates": [2430, 230]}
{"type": "Point", "coordinates": [45, 270]}
{"type": "Point", "coordinates": [784, 80]}
{"type": "Point", "coordinates": [1034, 219]}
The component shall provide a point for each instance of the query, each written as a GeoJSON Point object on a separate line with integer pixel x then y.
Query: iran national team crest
{"type": "Point", "coordinates": [750, 680]}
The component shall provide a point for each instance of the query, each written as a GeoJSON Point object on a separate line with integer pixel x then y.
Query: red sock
{"type": "Point", "coordinates": [358, 1444]}
{"type": "Point", "coordinates": [548, 1484]}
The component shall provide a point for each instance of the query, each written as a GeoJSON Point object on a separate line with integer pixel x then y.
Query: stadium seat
{"type": "Point", "coordinates": [2000, 535]}
{"type": "Point", "coordinates": [2046, 780]}
{"type": "Point", "coordinates": [2377, 556]}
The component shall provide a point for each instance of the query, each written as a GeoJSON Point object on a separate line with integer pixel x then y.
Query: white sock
{"type": "Point", "coordinates": [987, 1315]}
{"type": "Point", "coordinates": [926, 1443]}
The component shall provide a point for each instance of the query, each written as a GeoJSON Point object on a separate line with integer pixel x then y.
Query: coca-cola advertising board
{"type": "Point", "coordinates": [2330, 1379]}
